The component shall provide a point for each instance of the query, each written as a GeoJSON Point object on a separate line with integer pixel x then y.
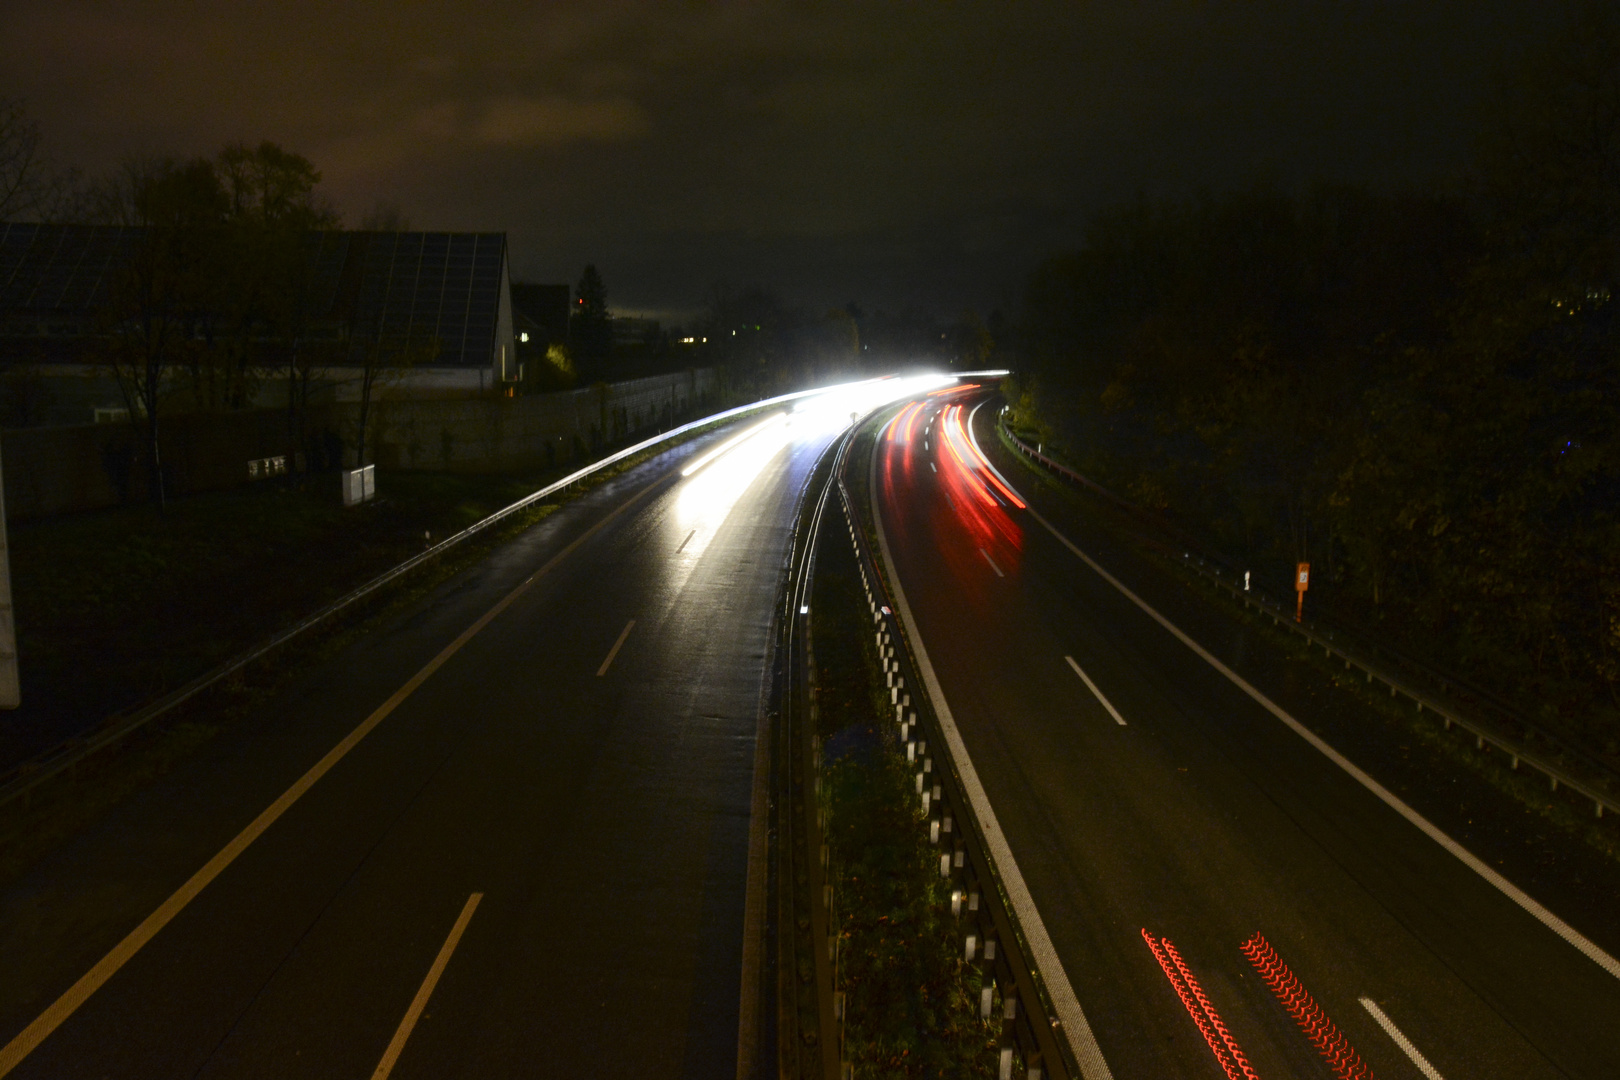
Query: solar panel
{"type": "Point", "coordinates": [417, 287]}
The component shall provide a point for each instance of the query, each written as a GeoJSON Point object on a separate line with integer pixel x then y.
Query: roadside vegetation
{"type": "Point", "coordinates": [909, 994]}
{"type": "Point", "coordinates": [1417, 393]}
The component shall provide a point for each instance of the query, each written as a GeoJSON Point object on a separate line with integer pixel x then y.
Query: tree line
{"type": "Point", "coordinates": [1418, 392]}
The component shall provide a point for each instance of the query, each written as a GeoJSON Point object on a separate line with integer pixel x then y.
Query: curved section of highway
{"type": "Point", "coordinates": [510, 833]}
{"type": "Point", "coordinates": [1227, 897]}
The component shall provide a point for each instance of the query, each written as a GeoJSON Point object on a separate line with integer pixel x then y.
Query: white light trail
{"type": "Point", "coordinates": [733, 442]}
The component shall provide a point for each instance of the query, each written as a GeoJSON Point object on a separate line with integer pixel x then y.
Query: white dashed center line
{"type": "Point", "coordinates": [1401, 1040]}
{"type": "Point", "coordinates": [1118, 719]}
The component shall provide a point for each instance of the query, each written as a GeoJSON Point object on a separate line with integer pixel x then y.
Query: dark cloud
{"type": "Point", "coordinates": [897, 153]}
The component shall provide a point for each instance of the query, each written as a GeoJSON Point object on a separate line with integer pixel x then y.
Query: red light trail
{"type": "Point", "coordinates": [1221, 1043]}
{"type": "Point", "coordinates": [1323, 1033]}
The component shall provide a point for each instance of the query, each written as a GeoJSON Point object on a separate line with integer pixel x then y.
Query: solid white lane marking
{"type": "Point", "coordinates": [688, 540]}
{"type": "Point", "coordinates": [1076, 1028]}
{"type": "Point", "coordinates": [617, 645]}
{"type": "Point", "coordinates": [419, 1002]}
{"type": "Point", "coordinates": [974, 438]}
{"type": "Point", "coordinates": [1118, 719]}
{"type": "Point", "coordinates": [1467, 858]}
{"type": "Point", "coordinates": [65, 1006]}
{"type": "Point", "coordinates": [992, 562]}
{"type": "Point", "coordinates": [1401, 1040]}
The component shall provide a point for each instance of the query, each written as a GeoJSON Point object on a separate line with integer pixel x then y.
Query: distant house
{"type": "Point", "coordinates": [540, 320]}
{"type": "Point", "coordinates": [541, 311]}
{"type": "Point", "coordinates": [451, 291]}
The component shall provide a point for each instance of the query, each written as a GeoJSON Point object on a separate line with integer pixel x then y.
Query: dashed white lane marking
{"type": "Point", "coordinates": [419, 1002]}
{"type": "Point", "coordinates": [931, 466]}
{"type": "Point", "coordinates": [617, 645]}
{"type": "Point", "coordinates": [1552, 922]}
{"type": "Point", "coordinates": [1118, 719]}
{"type": "Point", "coordinates": [1401, 1040]}
{"type": "Point", "coordinates": [992, 562]}
{"type": "Point", "coordinates": [688, 540]}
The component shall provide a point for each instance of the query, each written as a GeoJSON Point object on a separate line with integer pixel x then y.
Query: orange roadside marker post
{"type": "Point", "coordinates": [1302, 581]}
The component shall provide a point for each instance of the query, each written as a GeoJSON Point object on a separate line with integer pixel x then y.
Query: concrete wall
{"type": "Point", "coordinates": [64, 469]}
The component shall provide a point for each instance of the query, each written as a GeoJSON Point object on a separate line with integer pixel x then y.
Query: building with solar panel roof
{"type": "Point", "coordinates": [448, 294]}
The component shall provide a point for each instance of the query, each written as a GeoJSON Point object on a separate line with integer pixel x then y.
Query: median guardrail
{"type": "Point", "coordinates": [1031, 1039]}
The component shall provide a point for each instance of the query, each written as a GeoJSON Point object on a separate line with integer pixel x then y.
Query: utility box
{"type": "Point", "coordinates": [359, 485]}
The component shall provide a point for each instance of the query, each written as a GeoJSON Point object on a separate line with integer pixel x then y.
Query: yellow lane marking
{"type": "Point", "coordinates": [419, 1002]}
{"type": "Point", "coordinates": [617, 645]}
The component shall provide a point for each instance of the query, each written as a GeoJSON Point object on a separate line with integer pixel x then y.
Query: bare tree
{"type": "Point", "coordinates": [30, 187]}
{"type": "Point", "coordinates": [165, 289]}
{"type": "Point", "coordinates": [275, 219]}
{"type": "Point", "coordinates": [385, 356]}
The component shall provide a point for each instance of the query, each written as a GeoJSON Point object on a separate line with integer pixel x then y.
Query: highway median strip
{"type": "Point", "coordinates": [910, 997]}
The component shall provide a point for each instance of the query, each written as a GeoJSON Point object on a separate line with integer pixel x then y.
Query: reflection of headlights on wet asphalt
{"type": "Point", "coordinates": [780, 419]}
{"type": "Point", "coordinates": [837, 407]}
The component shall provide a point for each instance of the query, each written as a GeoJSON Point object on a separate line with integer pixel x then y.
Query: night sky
{"type": "Point", "coordinates": [902, 155]}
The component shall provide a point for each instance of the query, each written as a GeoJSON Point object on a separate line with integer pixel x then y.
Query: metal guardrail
{"type": "Point", "coordinates": [988, 930]}
{"type": "Point", "coordinates": [1356, 657]}
{"type": "Point", "coordinates": [810, 1018]}
{"type": "Point", "coordinates": [23, 779]}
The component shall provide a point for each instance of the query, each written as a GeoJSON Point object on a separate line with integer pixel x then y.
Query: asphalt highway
{"type": "Point", "coordinates": [526, 848]}
{"type": "Point", "coordinates": [1162, 818]}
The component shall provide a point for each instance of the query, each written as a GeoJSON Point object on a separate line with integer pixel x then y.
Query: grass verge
{"type": "Point", "coordinates": [910, 997]}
